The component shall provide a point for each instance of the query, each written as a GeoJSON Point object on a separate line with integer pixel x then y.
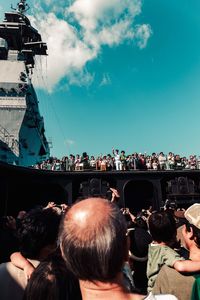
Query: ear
{"type": "Point", "coordinates": [190, 233]}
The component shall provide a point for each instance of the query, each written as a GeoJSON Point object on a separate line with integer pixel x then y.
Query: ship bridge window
{"type": "Point", "coordinates": [3, 43]}
{"type": "Point", "coordinates": [13, 90]}
{"type": "Point", "coordinates": [3, 49]}
{"type": "Point", "coordinates": [23, 76]}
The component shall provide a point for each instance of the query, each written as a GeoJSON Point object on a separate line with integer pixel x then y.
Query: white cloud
{"type": "Point", "coordinates": [91, 14]}
{"type": "Point", "coordinates": [143, 32]}
{"type": "Point", "coordinates": [69, 142]}
{"type": "Point", "coordinates": [81, 78]}
{"type": "Point", "coordinates": [76, 33]}
{"type": "Point", "coordinates": [105, 80]}
{"type": "Point", "coordinates": [67, 53]}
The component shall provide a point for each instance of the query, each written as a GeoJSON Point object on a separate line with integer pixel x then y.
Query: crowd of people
{"type": "Point", "coordinates": [97, 250]}
{"type": "Point", "coordinates": [121, 161]}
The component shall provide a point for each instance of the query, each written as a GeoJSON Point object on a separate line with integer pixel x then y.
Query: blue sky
{"type": "Point", "coordinates": [133, 86]}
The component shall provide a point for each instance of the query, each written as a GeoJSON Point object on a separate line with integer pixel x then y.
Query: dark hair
{"type": "Point", "coordinates": [196, 232]}
{"type": "Point", "coordinates": [139, 242]}
{"type": "Point", "coordinates": [52, 281]}
{"type": "Point", "coordinates": [162, 226]}
{"type": "Point", "coordinates": [96, 253]}
{"type": "Point", "coordinates": [37, 229]}
{"type": "Point", "coordinates": [141, 223]}
{"type": "Point", "coordinates": [84, 154]}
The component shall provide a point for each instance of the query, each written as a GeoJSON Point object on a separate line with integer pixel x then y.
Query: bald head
{"type": "Point", "coordinates": [88, 215]}
{"type": "Point", "coordinates": [93, 239]}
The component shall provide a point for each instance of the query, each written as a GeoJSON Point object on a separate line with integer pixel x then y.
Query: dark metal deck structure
{"type": "Point", "coordinates": [24, 188]}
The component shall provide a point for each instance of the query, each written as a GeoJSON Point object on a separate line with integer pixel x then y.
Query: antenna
{"type": "Point", "coordinates": [22, 7]}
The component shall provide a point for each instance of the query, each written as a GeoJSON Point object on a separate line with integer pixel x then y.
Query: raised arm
{"type": "Point", "coordinates": [21, 262]}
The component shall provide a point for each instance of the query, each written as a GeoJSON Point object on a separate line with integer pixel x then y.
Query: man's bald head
{"type": "Point", "coordinates": [93, 239]}
{"type": "Point", "coordinates": [89, 212]}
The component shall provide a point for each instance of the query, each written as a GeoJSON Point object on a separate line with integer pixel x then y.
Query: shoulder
{"type": "Point", "coordinates": [12, 282]}
{"type": "Point", "coordinates": [164, 252]}
{"type": "Point", "coordinates": [169, 256]}
{"type": "Point", "coordinates": [172, 274]}
{"type": "Point", "coordinates": [8, 273]}
{"type": "Point", "coordinates": [3, 267]}
{"type": "Point", "coordinates": [166, 271]}
{"type": "Point", "coordinates": [137, 297]}
{"type": "Point", "coordinates": [7, 267]}
{"type": "Point", "coordinates": [165, 283]}
{"type": "Point", "coordinates": [12, 275]}
{"type": "Point", "coordinates": [169, 251]}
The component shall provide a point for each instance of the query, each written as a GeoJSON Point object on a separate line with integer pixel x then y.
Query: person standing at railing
{"type": "Point", "coordinates": [118, 163]}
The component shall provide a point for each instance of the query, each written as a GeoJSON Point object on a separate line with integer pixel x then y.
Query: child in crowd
{"type": "Point", "coordinates": [50, 280]}
{"type": "Point", "coordinates": [21, 262]}
{"type": "Point", "coordinates": [162, 227]}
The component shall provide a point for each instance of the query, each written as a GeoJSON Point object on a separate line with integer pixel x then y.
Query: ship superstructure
{"type": "Point", "coordinates": [22, 138]}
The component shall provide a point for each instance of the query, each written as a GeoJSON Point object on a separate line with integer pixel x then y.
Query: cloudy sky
{"type": "Point", "coordinates": [120, 73]}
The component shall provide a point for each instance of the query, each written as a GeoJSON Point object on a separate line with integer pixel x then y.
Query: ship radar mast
{"type": "Point", "coordinates": [22, 134]}
{"type": "Point", "coordinates": [22, 7]}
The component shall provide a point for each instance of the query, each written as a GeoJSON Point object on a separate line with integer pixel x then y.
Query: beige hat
{"type": "Point", "coordinates": [192, 214]}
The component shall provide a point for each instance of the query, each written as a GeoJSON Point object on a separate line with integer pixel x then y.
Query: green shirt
{"type": "Point", "coordinates": [159, 255]}
{"type": "Point", "coordinates": [196, 288]}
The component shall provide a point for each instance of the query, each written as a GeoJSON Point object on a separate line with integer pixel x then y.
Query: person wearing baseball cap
{"type": "Point", "coordinates": [184, 286]}
{"type": "Point", "coordinates": [192, 214]}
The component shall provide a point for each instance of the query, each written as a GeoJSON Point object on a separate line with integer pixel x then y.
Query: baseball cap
{"type": "Point", "coordinates": [192, 214]}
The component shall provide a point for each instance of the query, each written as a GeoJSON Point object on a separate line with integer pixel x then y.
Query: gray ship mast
{"type": "Point", "coordinates": [22, 139]}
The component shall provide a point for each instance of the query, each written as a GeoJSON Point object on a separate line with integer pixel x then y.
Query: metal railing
{"type": "Point", "coordinates": [9, 140]}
